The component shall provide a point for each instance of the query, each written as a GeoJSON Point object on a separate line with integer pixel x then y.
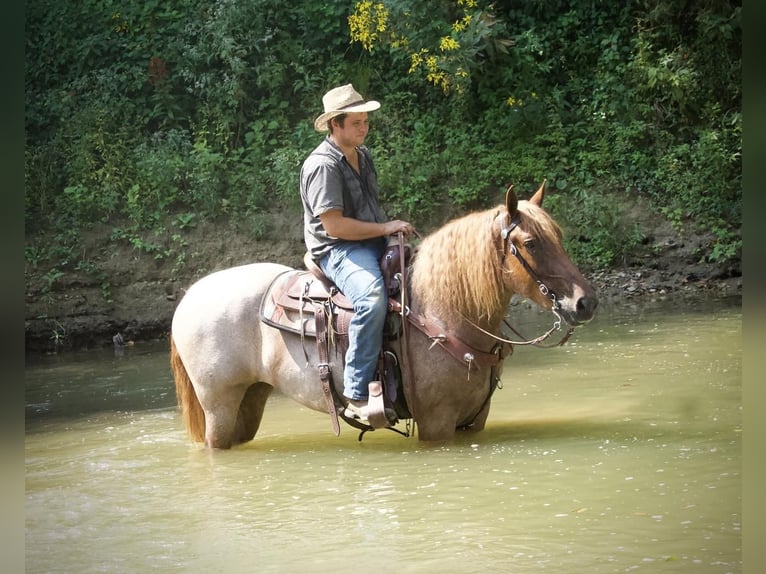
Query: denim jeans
{"type": "Point", "coordinates": [354, 266]}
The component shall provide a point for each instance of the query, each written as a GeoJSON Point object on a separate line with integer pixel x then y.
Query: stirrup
{"type": "Point", "coordinates": [379, 416]}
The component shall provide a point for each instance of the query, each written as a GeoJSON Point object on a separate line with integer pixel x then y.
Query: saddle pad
{"type": "Point", "coordinates": [293, 298]}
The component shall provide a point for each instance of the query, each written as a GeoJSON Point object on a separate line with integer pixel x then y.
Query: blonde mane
{"type": "Point", "coordinates": [458, 270]}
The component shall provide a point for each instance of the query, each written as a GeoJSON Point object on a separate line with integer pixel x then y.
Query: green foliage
{"type": "Point", "coordinates": [597, 231]}
{"type": "Point", "coordinates": [58, 333]}
{"type": "Point", "coordinates": [405, 165]}
{"type": "Point", "coordinates": [50, 278]}
{"type": "Point", "coordinates": [159, 177]}
{"type": "Point", "coordinates": [704, 185]}
{"type": "Point", "coordinates": [153, 115]}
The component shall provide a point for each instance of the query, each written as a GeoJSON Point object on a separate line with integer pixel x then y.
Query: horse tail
{"type": "Point", "coordinates": [193, 415]}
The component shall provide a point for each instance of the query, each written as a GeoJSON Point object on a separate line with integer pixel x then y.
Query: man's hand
{"type": "Point", "coordinates": [397, 225]}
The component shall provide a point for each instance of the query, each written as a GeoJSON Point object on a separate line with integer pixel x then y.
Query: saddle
{"type": "Point", "coordinates": [307, 303]}
{"type": "Point", "coordinates": [295, 297]}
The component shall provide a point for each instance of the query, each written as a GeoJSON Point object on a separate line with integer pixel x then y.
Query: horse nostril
{"type": "Point", "coordinates": [586, 306]}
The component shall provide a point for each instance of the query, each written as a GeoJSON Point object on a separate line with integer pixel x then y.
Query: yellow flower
{"type": "Point", "coordinates": [462, 24]}
{"type": "Point", "coordinates": [399, 42]}
{"type": "Point", "coordinates": [382, 14]}
{"type": "Point", "coordinates": [446, 44]}
{"type": "Point", "coordinates": [416, 58]}
{"type": "Point", "coordinates": [367, 21]}
{"type": "Point", "coordinates": [439, 79]}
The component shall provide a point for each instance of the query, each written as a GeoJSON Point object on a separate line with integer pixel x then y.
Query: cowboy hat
{"type": "Point", "coordinates": [342, 100]}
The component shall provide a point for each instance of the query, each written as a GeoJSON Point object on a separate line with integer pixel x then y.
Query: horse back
{"type": "Point", "coordinates": [217, 319]}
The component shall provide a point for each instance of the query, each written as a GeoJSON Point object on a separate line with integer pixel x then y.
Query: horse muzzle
{"type": "Point", "coordinates": [580, 312]}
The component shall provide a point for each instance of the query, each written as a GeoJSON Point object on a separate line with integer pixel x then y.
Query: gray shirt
{"type": "Point", "coordinates": [328, 182]}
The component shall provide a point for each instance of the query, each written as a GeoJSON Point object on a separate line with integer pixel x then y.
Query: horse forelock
{"type": "Point", "coordinates": [536, 221]}
{"type": "Point", "coordinates": [457, 272]}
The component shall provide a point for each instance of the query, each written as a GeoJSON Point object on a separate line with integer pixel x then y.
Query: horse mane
{"type": "Point", "coordinates": [458, 270]}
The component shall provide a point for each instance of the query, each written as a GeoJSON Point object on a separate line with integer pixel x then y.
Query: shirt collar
{"type": "Point", "coordinates": [337, 153]}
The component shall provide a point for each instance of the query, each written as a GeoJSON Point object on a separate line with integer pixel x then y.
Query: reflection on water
{"type": "Point", "coordinates": [615, 453]}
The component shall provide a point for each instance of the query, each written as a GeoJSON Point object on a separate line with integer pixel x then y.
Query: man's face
{"type": "Point", "coordinates": [354, 129]}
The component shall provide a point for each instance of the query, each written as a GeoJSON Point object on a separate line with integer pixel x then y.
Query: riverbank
{"type": "Point", "coordinates": [128, 292]}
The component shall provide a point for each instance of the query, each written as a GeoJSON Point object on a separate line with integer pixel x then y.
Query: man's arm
{"type": "Point", "coordinates": [350, 229]}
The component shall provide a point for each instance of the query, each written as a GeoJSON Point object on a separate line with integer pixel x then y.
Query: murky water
{"type": "Point", "coordinates": [619, 452]}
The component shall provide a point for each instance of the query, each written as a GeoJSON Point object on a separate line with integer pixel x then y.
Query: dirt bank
{"type": "Point", "coordinates": [125, 290]}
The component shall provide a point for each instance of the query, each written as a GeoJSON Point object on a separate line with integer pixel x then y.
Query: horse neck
{"type": "Point", "coordinates": [458, 275]}
{"type": "Point", "coordinates": [464, 323]}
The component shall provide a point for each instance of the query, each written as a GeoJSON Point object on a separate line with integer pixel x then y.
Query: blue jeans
{"type": "Point", "coordinates": [354, 266]}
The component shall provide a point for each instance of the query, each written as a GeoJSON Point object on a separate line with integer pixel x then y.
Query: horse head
{"type": "Point", "coordinates": [535, 263]}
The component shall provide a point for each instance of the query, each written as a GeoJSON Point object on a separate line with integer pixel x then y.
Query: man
{"type": "Point", "coordinates": [346, 231]}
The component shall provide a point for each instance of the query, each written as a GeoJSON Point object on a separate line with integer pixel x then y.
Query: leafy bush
{"type": "Point", "coordinates": [597, 231]}
{"type": "Point", "coordinates": [140, 112]}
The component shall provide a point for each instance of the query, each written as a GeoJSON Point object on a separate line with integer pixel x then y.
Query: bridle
{"type": "Point", "coordinates": [494, 380]}
{"type": "Point", "coordinates": [510, 248]}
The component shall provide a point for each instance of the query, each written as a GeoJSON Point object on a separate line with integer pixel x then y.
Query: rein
{"type": "Point", "coordinates": [403, 312]}
{"type": "Point", "coordinates": [536, 341]}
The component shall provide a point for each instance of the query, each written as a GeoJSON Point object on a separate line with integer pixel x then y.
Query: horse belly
{"type": "Point", "coordinates": [293, 367]}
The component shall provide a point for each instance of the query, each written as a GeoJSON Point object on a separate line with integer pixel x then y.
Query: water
{"type": "Point", "coordinates": [619, 452]}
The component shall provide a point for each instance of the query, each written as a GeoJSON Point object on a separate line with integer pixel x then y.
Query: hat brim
{"type": "Point", "coordinates": [320, 124]}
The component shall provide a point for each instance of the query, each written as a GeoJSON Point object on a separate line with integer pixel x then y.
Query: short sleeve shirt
{"type": "Point", "coordinates": [328, 182]}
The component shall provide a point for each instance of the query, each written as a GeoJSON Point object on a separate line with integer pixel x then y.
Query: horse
{"type": "Point", "coordinates": [226, 361]}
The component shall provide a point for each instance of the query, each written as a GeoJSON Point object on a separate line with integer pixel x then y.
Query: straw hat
{"type": "Point", "coordinates": [342, 100]}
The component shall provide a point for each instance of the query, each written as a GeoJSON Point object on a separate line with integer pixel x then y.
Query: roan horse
{"type": "Point", "coordinates": [226, 361]}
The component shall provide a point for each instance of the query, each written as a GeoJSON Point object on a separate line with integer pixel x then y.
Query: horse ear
{"type": "Point", "coordinates": [537, 198]}
{"type": "Point", "coordinates": [511, 201]}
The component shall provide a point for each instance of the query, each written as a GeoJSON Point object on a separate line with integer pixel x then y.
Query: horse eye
{"type": "Point", "coordinates": [529, 244]}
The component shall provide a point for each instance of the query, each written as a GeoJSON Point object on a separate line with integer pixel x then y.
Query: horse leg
{"type": "Point", "coordinates": [436, 429]}
{"type": "Point", "coordinates": [221, 414]}
{"type": "Point", "coordinates": [478, 423]}
{"type": "Point", "coordinates": [251, 412]}
{"type": "Point", "coordinates": [442, 423]}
